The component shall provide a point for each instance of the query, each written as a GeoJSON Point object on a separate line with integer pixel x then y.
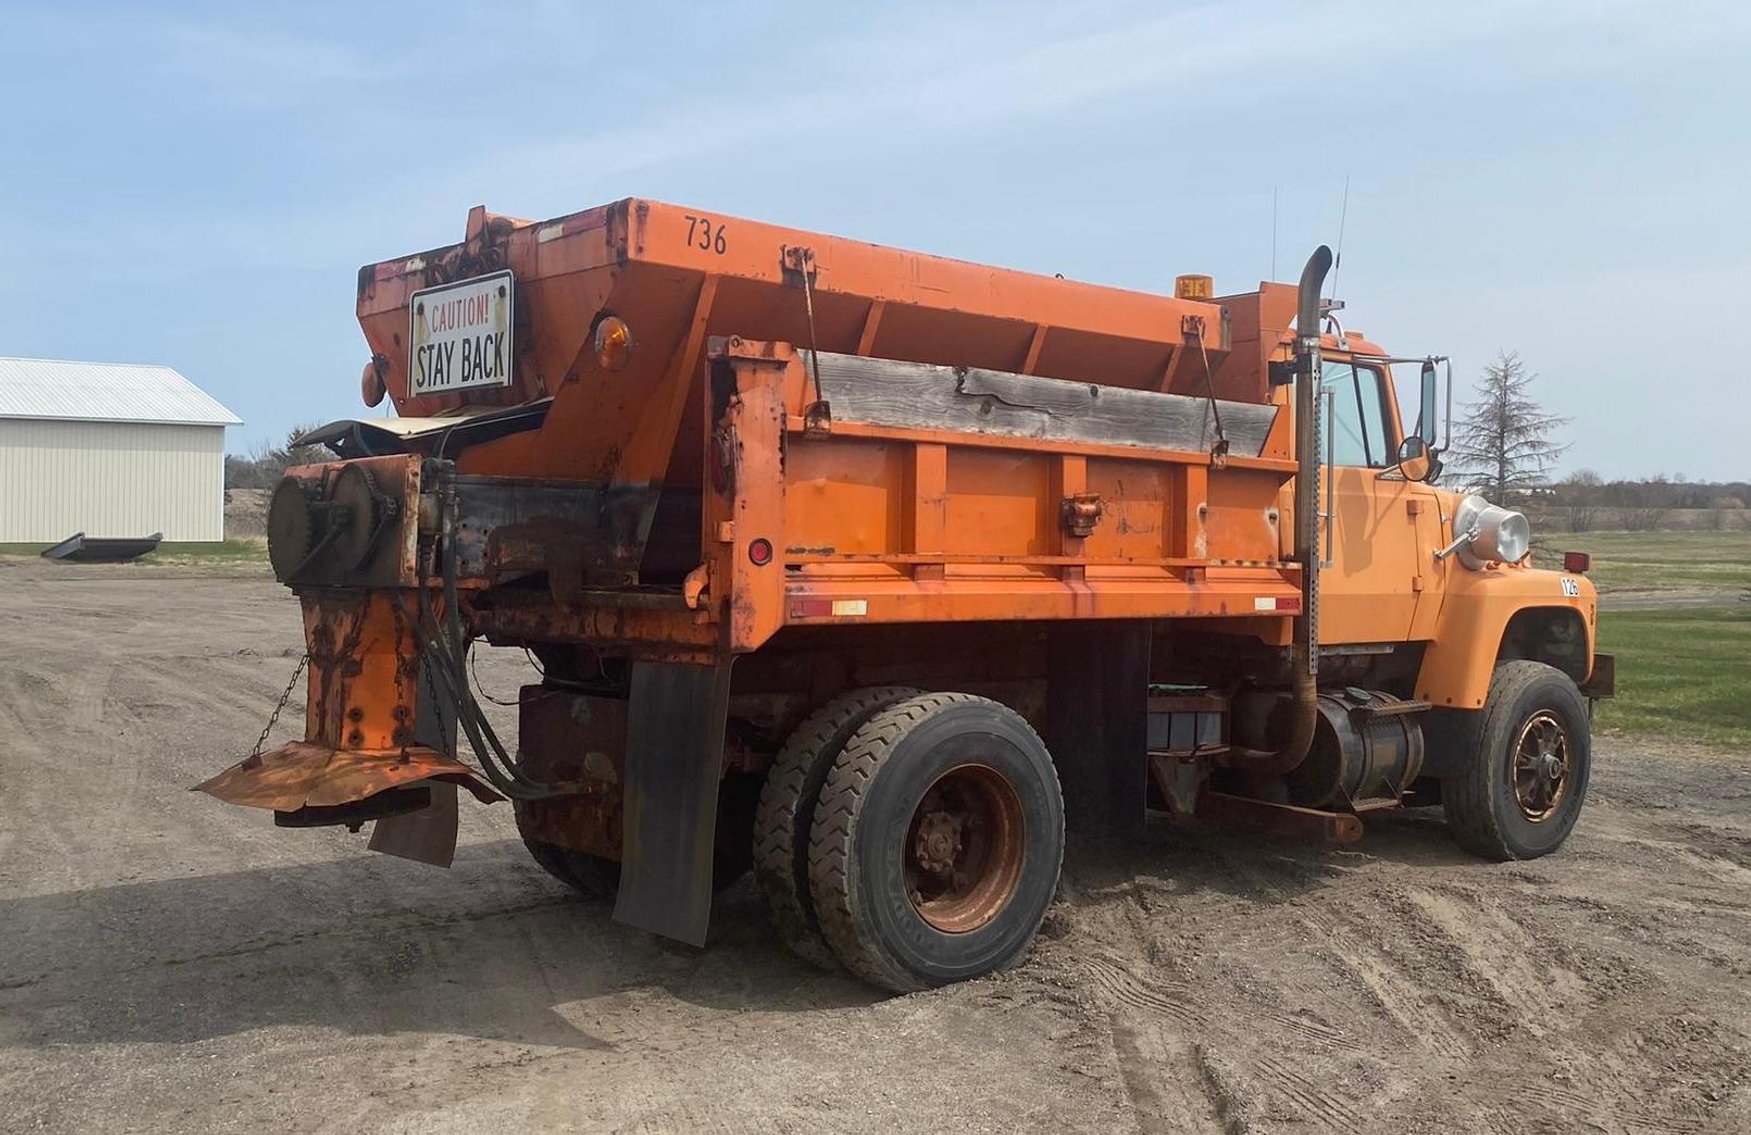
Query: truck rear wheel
{"type": "Point", "coordinates": [1522, 793]}
{"type": "Point", "coordinates": [787, 812]}
{"type": "Point", "coordinates": [937, 842]}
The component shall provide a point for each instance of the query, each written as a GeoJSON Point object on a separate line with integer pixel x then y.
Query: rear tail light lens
{"type": "Point", "coordinates": [1577, 563]}
{"type": "Point", "coordinates": [371, 385]}
{"type": "Point", "coordinates": [760, 552]}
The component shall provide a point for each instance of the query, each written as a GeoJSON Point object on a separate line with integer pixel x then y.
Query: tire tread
{"type": "Point", "coordinates": [838, 904]}
{"type": "Point", "coordinates": [1467, 799]}
{"type": "Point", "coordinates": [783, 819]}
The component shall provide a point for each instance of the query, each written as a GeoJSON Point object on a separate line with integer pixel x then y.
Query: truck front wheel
{"type": "Point", "coordinates": [936, 843]}
{"type": "Point", "coordinates": [1521, 794]}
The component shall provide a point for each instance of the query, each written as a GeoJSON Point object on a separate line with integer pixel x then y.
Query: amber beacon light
{"type": "Point", "coordinates": [613, 343]}
{"type": "Point", "coordinates": [1193, 287]}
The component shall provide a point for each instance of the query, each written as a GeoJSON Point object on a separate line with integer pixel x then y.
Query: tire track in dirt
{"type": "Point", "coordinates": [1159, 1030]}
{"type": "Point", "coordinates": [1167, 1082]}
{"type": "Point", "coordinates": [1350, 936]}
{"type": "Point", "coordinates": [169, 960]}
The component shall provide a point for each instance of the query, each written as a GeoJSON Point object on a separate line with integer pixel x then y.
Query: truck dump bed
{"type": "Point", "coordinates": [964, 466]}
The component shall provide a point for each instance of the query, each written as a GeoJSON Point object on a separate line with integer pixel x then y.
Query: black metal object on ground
{"type": "Point", "coordinates": [80, 548]}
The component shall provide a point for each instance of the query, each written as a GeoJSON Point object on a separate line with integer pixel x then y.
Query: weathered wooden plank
{"type": "Point", "coordinates": [916, 395]}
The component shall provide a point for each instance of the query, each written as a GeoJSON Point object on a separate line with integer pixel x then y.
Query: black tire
{"type": "Point", "coordinates": [863, 845]}
{"type": "Point", "coordinates": [787, 812]}
{"type": "Point", "coordinates": [1488, 814]}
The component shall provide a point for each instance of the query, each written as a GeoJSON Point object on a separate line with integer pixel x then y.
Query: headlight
{"type": "Point", "coordinates": [1502, 535]}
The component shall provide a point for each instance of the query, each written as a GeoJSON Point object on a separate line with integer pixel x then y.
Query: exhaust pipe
{"type": "Point", "coordinates": [1304, 650]}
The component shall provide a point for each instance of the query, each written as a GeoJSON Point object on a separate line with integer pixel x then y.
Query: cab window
{"type": "Point", "coordinates": [1358, 409]}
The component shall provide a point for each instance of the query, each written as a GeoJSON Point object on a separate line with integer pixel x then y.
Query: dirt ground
{"type": "Point", "coordinates": [171, 963]}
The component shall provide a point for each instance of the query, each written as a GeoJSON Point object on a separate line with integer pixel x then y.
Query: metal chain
{"type": "Point", "coordinates": [284, 698]}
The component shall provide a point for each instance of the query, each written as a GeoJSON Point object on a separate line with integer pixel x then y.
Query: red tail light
{"type": "Point", "coordinates": [1577, 563]}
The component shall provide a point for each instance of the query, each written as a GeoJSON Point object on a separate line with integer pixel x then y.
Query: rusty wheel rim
{"type": "Point", "coordinates": [963, 849]}
{"type": "Point", "coordinates": [1541, 767]}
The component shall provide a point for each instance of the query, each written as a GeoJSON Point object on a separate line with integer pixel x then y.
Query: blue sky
{"type": "Point", "coordinates": [197, 185]}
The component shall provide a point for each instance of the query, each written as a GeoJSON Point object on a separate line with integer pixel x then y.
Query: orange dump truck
{"type": "Point", "coordinates": [872, 570]}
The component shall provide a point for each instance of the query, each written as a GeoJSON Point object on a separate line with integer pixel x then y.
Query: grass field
{"type": "Point", "coordinates": [1658, 562]}
{"type": "Point", "coordinates": [1681, 672]}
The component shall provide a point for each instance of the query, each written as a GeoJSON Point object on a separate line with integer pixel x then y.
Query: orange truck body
{"type": "Point", "coordinates": [832, 464]}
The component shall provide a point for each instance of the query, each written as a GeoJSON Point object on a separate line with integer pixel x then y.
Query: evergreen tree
{"type": "Point", "coordinates": [1502, 445]}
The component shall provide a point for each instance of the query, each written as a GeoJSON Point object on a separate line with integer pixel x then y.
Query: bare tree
{"type": "Point", "coordinates": [266, 463]}
{"type": "Point", "coordinates": [1502, 445]}
{"type": "Point", "coordinates": [1644, 518]}
{"type": "Point", "coordinates": [1580, 491]}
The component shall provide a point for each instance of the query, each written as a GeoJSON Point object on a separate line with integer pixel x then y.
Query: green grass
{"type": "Point", "coordinates": [1681, 672]}
{"type": "Point", "coordinates": [209, 552]}
{"type": "Point", "coordinates": [184, 552]}
{"type": "Point", "coordinates": [1658, 561]}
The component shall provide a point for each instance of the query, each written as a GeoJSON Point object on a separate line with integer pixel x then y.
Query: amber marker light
{"type": "Point", "coordinates": [613, 343]}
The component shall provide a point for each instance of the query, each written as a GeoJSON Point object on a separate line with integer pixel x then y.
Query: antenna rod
{"type": "Point", "coordinates": [1273, 274]}
{"type": "Point", "coordinates": [1338, 262]}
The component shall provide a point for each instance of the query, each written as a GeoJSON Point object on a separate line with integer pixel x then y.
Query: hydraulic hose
{"type": "Point", "coordinates": [446, 645]}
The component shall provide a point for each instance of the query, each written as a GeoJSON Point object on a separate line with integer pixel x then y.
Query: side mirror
{"type": "Point", "coordinates": [1426, 412]}
{"type": "Point", "coordinates": [1414, 459]}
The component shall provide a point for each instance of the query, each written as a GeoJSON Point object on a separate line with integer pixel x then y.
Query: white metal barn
{"type": "Point", "coordinates": [108, 449]}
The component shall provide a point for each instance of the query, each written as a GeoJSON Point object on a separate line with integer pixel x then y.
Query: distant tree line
{"type": "Point", "coordinates": [1586, 501]}
{"type": "Point", "coordinates": [266, 463]}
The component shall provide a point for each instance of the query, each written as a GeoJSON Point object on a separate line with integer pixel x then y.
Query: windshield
{"type": "Point", "coordinates": [1359, 433]}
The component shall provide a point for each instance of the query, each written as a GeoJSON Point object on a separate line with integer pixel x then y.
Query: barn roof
{"type": "Point", "coordinates": [105, 392]}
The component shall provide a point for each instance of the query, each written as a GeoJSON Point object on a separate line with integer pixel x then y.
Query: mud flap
{"type": "Point", "coordinates": [425, 836]}
{"type": "Point", "coordinates": [674, 760]}
{"type": "Point", "coordinates": [1097, 718]}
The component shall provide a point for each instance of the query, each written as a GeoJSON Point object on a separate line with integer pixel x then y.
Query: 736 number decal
{"type": "Point", "coordinates": [705, 233]}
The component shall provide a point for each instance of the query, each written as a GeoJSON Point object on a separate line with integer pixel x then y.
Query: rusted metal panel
{"type": "Point", "coordinates": [302, 774]}
{"type": "Point", "coordinates": [364, 668]}
{"type": "Point", "coordinates": [578, 534]}
{"type": "Point", "coordinates": [580, 741]}
{"type": "Point", "coordinates": [1279, 819]}
{"type": "Point", "coordinates": [654, 625]}
{"type": "Point", "coordinates": [374, 510]}
{"type": "Point", "coordinates": [745, 509]}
